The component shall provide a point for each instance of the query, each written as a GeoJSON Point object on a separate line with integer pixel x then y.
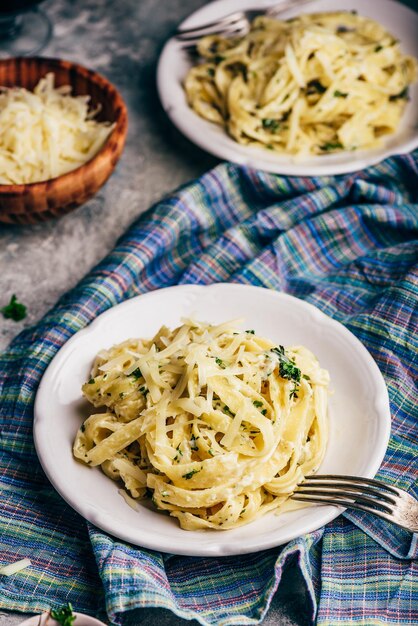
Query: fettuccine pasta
{"type": "Point", "coordinates": [312, 85]}
{"type": "Point", "coordinates": [218, 425]}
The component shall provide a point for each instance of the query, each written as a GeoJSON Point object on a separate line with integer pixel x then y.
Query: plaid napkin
{"type": "Point", "coordinates": [348, 245]}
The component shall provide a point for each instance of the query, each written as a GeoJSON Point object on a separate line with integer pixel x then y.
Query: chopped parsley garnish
{"type": "Point", "coordinates": [344, 29]}
{"type": "Point", "coordinates": [91, 381]}
{"type": "Point", "coordinates": [15, 310]}
{"type": "Point", "coordinates": [228, 411]}
{"type": "Point", "coordinates": [136, 373]}
{"type": "Point", "coordinates": [288, 369]}
{"type": "Point", "coordinates": [193, 444]}
{"type": "Point", "coordinates": [121, 395]}
{"type": "Point", "coordinates": [270, 146]}
{"type": "Point", "coordinates": [237, 68]}
{"type": "Point", "coordinates": [270, 124]}
{"type": "Point", "coordinates": [328, 147]}
{"type": "Point", "coordinates": [378, 48]}
{"type": "Point", "coordinates": [306, 377]}
{"type": "Point", "coordinates": [340, 94]}
{"type": "Point", "coordinates": [179, 453]}
{"type": "Point", "coordinates": [219, 58]}
{"type": "Point", "coordinates": [314, 86]}
{"type": "Point", "coordinates": [211, 452]}
{"type": "Point", "coordinates": [250, 332]}
{"type": "Point", "coordinates": [64, 615]}
{"type": "Point", "coordinates": [144, 390]}
{"type": "Point", "coordinates": [190, 474]}
{"type": "Point", "coordinates": [257, 403]}
{"type": "Point", "coordinates": [211, 71]}
{"type": "Point", "coordinates": [264, 412]}
{"type": "Point", "coordinates": [219, 362]}
{"type": "Point", "coordinates": [402, 95]}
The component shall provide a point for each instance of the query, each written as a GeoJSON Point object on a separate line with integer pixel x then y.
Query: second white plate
{"type": "Point", "coordinates": [175, 62]}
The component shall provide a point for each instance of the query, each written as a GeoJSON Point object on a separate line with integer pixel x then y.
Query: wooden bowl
{"type": "Point", "coordinates": [35, 202]}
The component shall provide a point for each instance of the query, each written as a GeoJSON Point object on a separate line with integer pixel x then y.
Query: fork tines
{"type": "Point", "coordinates": [350, 491]}
{"type": "Point", "coordinates": [230, 25]}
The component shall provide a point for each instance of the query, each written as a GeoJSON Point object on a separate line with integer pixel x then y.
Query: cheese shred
{"type": "Point", "coordinates": [13, 568]}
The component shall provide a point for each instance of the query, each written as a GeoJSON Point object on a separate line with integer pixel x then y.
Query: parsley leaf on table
{"type": "Point", "coordinates": [15, 310]}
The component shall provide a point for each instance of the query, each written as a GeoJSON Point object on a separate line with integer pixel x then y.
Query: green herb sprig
{"type": "Point", "coordinates": [314, 86]}
{"type": "Point", "coordinates": [402, 95]}
{"type": "Point", "coordinates": [288, 369]}
{"type": "Point", "coordinates": [64, 615]}
{"type": "Point", "coordinates": [271, 124]}
{"type": "Point", "coordinates": [332, 145]}
{"type": "Point", "coordinates": [15, 310]}
{"type": "Point", "coordinates": [193, 444]}
{"type": "Point", "coordinates": [190, 474]}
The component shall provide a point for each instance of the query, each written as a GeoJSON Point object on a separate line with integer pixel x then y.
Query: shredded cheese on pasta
{"type": "Point", "coordinates": [46, 133]}
{"type": "Point", "coordinates": [218, 424]}
{"type": "Point", "coordinates": [315, 84]}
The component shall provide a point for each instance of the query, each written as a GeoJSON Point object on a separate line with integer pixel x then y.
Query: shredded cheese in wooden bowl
{"type": "Point", "coordinates": [47, 132]}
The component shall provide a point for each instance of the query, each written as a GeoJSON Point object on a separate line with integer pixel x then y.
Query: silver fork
{"type": "Point", "coordinates": [365, 494]}
{"type": "Point", "coordinates": [235, 24]}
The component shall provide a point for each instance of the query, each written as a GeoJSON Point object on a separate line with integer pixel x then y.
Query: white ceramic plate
{"type": "Point", "coordinates": [175, 62]}
{"type": "Point", "coordinates": [81, 619]}
{"type": "Point", "coordinates": [359, 411]}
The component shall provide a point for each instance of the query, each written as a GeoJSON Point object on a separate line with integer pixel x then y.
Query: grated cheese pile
{"type": "Point", "coordinates": [46, 133]}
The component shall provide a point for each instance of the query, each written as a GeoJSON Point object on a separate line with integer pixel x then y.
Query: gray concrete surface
{"type": "Point", "coordinates": [40, 263]}
{"type": "Point", "coordinates": [122, 40]}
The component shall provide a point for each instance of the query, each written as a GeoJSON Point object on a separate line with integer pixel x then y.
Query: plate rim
{"type": "Point", "coordinates": [83, 619]}
{"type": "Point", "coordinates": [252, 156]}
{"type": "Point", "coordinates": [329, 512]}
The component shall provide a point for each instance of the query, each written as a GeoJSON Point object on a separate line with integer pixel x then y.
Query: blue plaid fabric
{"type": "Point", "coordinates": [347, 244]}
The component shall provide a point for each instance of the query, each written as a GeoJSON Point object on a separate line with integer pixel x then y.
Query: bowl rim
{"type": "Point", "coordinates": [118, 133]}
